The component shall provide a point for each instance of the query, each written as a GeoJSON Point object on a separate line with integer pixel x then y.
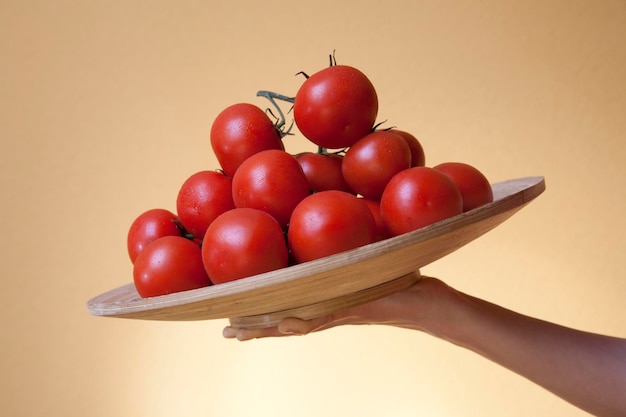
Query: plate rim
{"type": "Point", "coordinates": [527, 188]}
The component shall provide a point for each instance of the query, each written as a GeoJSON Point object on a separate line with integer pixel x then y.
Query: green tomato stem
{"type": "Point", "coordinates": [280, 123]}
{"type": "Point", "coordinates": [270, 95]}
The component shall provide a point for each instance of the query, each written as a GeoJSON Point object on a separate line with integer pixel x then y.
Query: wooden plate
{"type": "Point", "coordinates": [319, 287]}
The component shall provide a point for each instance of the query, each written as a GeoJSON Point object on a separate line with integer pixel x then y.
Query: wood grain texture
{"type": "Point", "coordinates": [324, 281]}
{"type": "Point", "coordinates": [329, 306]}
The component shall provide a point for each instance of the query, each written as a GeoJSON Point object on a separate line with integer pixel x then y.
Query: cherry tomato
{"type": "Point", "coordinates": [323, 171]}
{"type": "Point", "coordinates": [474, 186]}
{"type": "Point", "coordinates": [167, 265]}
{"type": "Point", "coordinates": [418, 158]}
{"type": "Point", "coordinates": [327, 223]}
{"type": "Point", "coordinates": [272, 181]}
{"type": "Point", "coordinates": [239, 131]}
{"type": "Point", "coordinates": [418, 197]}
{"type": "Point", "coordinates": [202, 197]}
{"type": "Point", "coordinates": [381, 230]}
{"type": "Point", "coordinates": [241, 243]}
{"type": "Point", "coordinates": [335, 107]}
{"type": "Point", "coordinates": [371, 162]}
{"type": "Point", "coordinates": [149, 226]}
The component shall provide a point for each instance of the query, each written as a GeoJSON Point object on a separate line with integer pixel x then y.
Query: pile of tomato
{"type": "Point", "coordinates": [264, 209]}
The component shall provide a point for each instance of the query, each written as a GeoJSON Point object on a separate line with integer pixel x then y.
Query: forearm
{"type": "Point", "coordinates": [586, 369]}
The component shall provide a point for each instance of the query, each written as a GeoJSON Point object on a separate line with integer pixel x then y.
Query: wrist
{"type": "Point", "coordinates": [430, 306]}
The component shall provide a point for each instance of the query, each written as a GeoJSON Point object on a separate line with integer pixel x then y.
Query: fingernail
{"type": "Point", "coordinates": [243, 336]}
{"type": "Point", "coordinates": [229, 332]}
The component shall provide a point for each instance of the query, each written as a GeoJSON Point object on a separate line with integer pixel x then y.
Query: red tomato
{"type": "Point", "coordinates": [272, 181]}
{"type": "Point", "coordinates": [241, 243]}
{"type": "Point", "coordinates": [202, 197]}
{"type": "Point", "coordinates": [327, 223]}
{"type": "Point", "coordinates": [418, 158]}
{"type": "Point", "coordinates": [148, 227]}
{"type": "Point", "coordinates": [371, 162]}
{"type": "Point", "coordinates": [239, 131]}
{"type": "Point", "coordinates": [381, 230]}
{"type": "Point", "coordinates": [474, 186]}
{"type": "Point", "coordinates": [335, 107]}
{"type": "Point", "coordinates": [323, 171]}
{"type": "Point", "coordinates": [169, 264]}
{"type": "Point", "coordinates": [417, 197]}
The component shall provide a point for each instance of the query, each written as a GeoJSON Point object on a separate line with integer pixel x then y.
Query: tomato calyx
{"type": "Point", "coordinates": [377, 126]}
{"type": "Point", "coordinates": [333, 60]}
{"type": "Point", "coordinates": [332, 63]}
{"type": "Point", "coordinates": [304, 74]}
{"type": "Point", "coordinates": [183, 232]}
{"type": "Point", "coordinates": [325, 151]}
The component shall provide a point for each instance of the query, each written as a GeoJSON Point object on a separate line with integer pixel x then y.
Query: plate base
{"type": "Point", "coordinates": [329, 306]}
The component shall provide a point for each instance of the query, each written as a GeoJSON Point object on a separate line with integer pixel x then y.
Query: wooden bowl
{"type": "Point", "coordinates": [329, 284]}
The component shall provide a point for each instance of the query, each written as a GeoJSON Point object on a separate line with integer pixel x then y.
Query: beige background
{"type": "Point", "coordinates": [105, 108]}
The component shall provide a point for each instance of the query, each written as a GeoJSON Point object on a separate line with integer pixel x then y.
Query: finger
{"type": "Point", "coordinates": [286, 327]}
{"type": "Point", "coordinates": [295, 326]}
{"type": "Point", "coordinates": [243, 334]}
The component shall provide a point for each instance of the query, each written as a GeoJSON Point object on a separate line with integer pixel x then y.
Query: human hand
{"type": "Point", "coordinates": [411, 308]}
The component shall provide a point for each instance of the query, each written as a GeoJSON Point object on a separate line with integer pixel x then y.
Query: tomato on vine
{"type": "Point", "coordinates": [381, 230]}
{"type": "Point", "coordinates": [241, 243]}
{"type": "Point", "coordinates": [327, 223]}
{"type": "Point", "coordinates": [473, 185]}
{"type": "Point", "coordinates": [418, 197]}
{"type": "Point", "coordinates": [272, 181]}
{"type": "Point", "coordinates": [335, 107]}
{"type": "Point", "coordinates": [202, 197]}
{"type": "Point", "coordinates": [167, 265]}
{"type": "Point", "coordinates": [148, 227]}
{"type": "Point", "coordinates": [239, 131]}
{"type": "Point", "coordinates": [323, 170]}
{"type": "Point", "coordinates": [418, 158]}
{"type": "Point", "coordinates": [373, 160]}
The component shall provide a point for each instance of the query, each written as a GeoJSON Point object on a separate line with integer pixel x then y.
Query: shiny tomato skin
{"type": "Point", "coordinates": [201, 198]}
{"type": "Point", "coordinates": [418, 197]}
{"type": "Point", "coordinates": [239, 131]}
{"type": "Point", "coordinates": [167, 265]}
{"type": "Point", "coordinates": [474, 186]}
{"type": "Point", "coordinates": [418, 157]}
{"type": "Point", "coordinates": [272, 181]}
{"type": "Point", "coordinates": [381, 230]}
{"type": "Point", "coordinates": [241, 243]}
{"type": "Point", "coordinates": [149, 226]}
{"type": "Point", "coordinates": [335, 107]}
{"type": "Point", "coordinates": [323, 171]}
{"type": "Point", "coordinates": [327, 223]}
{"type": "Point", "coordinates": [373, 160]}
